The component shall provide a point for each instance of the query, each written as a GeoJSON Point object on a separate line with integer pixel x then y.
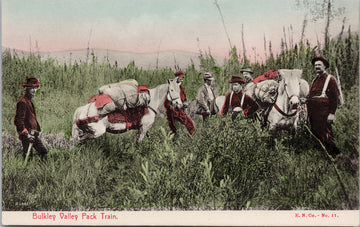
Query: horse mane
{"type": "Point", "coordinates": [287, 73]}
{"type": "Point", "coordinates": [156, 94]}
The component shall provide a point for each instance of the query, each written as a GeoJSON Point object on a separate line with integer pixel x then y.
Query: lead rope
{"type": "Point", "coordinates": [333, 164]}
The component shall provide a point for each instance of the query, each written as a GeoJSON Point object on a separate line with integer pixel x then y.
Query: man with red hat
{"type": "Point", "coordinates": [236, 101]}
{"type": "Point", "coordinates": [174, 114]}
{"type": "Point", "coordinates": [322, 104]}
{"type": "Point", "coordinates": [25, 120]}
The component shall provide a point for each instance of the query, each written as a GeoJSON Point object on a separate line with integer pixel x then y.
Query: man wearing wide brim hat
{"type": "Point", "coordinates": [322, 59]}
{"type": "Point", "coordinates": [247, 73]}
{"type": "Point", "coordinates": [322, 104]}
{"type": "Point", "coordinates": [248, 76]}
{"type": "Point", "coordinates": [174, 114]}
{"type": "Point", "coordinates": [25, 120]}
{"type": "Point", "coordinates": [205, 99]}
{"type": "Point", "coordinates": [237, 101]}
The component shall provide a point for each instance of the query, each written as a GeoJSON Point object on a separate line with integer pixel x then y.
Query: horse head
{"type": "Point", "coordinates": [290, 85]}
{"type": "Point", "coordinates": [173, 94]}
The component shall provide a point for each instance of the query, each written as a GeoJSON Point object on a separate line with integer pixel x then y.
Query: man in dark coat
{"type": "Point", "coordinates": [25, 120]}
{"type": "Point", "coordinates": [322, 105]}
{"type": "Point", "coordinates": [205, 99]}
{"type": "Point", "coordinates": [174, 114]}
{"type": "Point", "coordinates": [237, 101]}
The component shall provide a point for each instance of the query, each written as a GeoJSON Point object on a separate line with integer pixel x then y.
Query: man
{"type": "Point", "coordinates": [174, 114]}
{"type": "Point", "coordinates": [247, 73]}
{"type": "Point", "coordinates": [25, 120]}
{"type": "Point", "coordinates": [205, 99]}
{"type": "Point", "coordinates": [322, 105]}
{"type": "Point", "coordinates": [236, 101]}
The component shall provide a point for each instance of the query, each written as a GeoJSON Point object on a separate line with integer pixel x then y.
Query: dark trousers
{"type": "Point", "coordinates": [323, 130]}
{"type": "Point", "coordinates": [180, 115]}
{"type": "Point", "coordinates": [38, 145]}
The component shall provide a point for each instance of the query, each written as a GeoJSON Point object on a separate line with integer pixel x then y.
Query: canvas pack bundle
{"type": "Point", "coordinates": [124, 93]}
{"type": "Point", "coordinates": [263, 88]}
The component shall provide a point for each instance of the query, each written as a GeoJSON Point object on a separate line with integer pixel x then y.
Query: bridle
{"type": "Point", "coordinates": [288, 98]}
{"type": "Point", "coordinates": [170, 97]}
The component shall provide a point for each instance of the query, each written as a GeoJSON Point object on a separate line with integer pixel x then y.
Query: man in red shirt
{"type": "Point", "coordinates": [25, 120]}
{"type": "Point", "coordinates": [322, 104]}
{"type": "Point", "coordinates": [236, 101]}
{"type": "Point", "coordinates": [174, 114]}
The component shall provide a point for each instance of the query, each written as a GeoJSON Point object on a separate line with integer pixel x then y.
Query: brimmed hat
{"type": "Point", "coordinates": [208, 76]}
{"type": "Point", "coordinates": [247, 70]}
{"type": "Point", "coordinates": [31, 81]}
{"type": "Point", "coordinates": [236, 79]}
{"type": "Point", "coordinates": [179, 74]}
{"type": "Point", "coordinates": [320, 58]}
{"type": "Point", "coordinates": [143, 89]}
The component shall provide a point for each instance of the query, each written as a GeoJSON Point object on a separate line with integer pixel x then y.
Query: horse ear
{"type": "Point", "coordinates": [299, 73]}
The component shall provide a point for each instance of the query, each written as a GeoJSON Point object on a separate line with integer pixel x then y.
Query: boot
{"type": "Point", "coordinates": [333, 150]}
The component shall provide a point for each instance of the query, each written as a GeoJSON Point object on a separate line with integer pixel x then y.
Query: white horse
{"type": "Point", "coordinates": [99, 124]}
{"type": "Point", "coordinates": [292, 92]}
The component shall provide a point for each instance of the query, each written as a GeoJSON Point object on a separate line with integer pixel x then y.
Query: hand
{"type": "Point", "coordinates": [237, 109]}
{"type": "Point", "coordinates": [30, 138]}
{"type": "Point", "coordinates": [331, 118]}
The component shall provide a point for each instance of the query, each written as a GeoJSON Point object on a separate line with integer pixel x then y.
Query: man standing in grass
{"type": "Point", "coordinates": [178, 114]}
{"type": "Point", "coordinates": [237, 101]}
{"type": "Point", "coordinates": [205, 99]}
{"type": "Point", "coordinates": [25, 120]}
{"type": "Point", "coordinates": [322, 105]}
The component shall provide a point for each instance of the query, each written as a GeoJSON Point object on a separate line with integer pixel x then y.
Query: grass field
{"type": "Point", "coordinates": [226, 164]}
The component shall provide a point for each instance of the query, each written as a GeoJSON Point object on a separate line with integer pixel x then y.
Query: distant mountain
{"type": "Point", "coordinates": [164, 59]}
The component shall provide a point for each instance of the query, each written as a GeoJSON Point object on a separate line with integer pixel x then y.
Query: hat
{"type": "Point", "coordinates": [247, 70]}
{"type": "Point", "coordinates": [31, 81]}
{"type": "Point", "coordinates": [208, 76]}
{"type": "Point", "coordinates": [143, 89]}
{"type": "Point", "coordinates": [236, 79]}
{"type": "Point", "coordinates": [179, 74]}
{"type": "Point", "coordinates": [320, 58]}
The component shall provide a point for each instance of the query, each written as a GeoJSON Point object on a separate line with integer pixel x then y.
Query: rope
{"type": "Point", "coordinates": [332, 160]}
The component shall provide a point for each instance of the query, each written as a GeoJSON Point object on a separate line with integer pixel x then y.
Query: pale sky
{"type": "Point", "coordinates": [144, 26]}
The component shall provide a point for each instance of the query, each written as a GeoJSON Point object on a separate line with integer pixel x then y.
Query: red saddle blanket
{"type": "Point", "coordinates": [132, 117]}
{"type": "Point", "coordinates": [270, 74]}
{"type": "Point", "coordinates": [100, 100]}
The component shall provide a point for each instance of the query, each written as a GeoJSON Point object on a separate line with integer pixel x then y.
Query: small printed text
{"type": "Point", "coordinates": [46, 216]}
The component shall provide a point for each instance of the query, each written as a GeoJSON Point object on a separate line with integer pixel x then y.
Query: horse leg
{"type": "Point", "coordinates": [147, 121]}
{"type": "Point", "coordinates": [75, 132]}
